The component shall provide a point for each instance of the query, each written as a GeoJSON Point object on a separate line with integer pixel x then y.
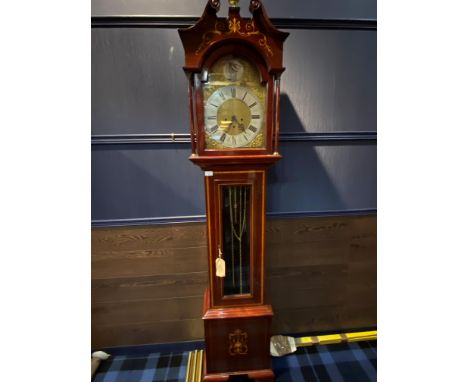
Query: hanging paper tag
{"type": "Point", "coordinates": [220, 267]}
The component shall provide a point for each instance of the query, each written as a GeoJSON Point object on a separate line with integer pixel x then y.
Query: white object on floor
{"type": "Point", "coordinates": [282, 345]}
{"type": "Point", "coordinates": [100, 355]}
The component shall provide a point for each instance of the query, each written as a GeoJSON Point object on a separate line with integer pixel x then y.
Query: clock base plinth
{"type": "Point", "coordinates": [255, 375]}
{"type": "Point", "coordinates": [237, 342]}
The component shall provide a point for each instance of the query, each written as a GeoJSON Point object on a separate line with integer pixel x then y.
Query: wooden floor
{"type": "Point", "coordinates": [148, 282]}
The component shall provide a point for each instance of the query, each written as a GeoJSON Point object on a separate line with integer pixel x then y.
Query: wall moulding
{"type": "Point", "coordinates": [119, 139]}
{"type": "Point", "coordinates": [170, 22]}
{"type": "Point", "coordinates": [97, 223]}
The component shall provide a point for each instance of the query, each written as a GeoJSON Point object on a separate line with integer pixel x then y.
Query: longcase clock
{"type": "Point", "coordinates": [233, 66]}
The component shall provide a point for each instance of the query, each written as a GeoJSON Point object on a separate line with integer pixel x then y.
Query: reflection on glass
{"type": "Point", "coordinates": [236, 239]}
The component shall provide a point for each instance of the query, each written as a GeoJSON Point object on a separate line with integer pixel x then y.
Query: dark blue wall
{"type": "Point", "coordinates": [332, 9]}
{"type": "Point", "coordinates": [328, 117]}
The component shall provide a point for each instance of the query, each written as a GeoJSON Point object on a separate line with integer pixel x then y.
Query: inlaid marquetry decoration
{"type": "Point", "coordinates": [238, 343]}
{"type": "Point", "coordinates": [233, 27]}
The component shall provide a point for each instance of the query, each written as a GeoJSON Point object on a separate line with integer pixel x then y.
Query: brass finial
{"type": "Point", "coordinates": [233, 3]}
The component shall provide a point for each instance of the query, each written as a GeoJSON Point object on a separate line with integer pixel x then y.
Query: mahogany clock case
{"type": "Point", "coordinates": [237, 320]}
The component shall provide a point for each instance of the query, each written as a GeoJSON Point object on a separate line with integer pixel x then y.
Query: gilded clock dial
{"type": "Point", "coordinates": [233, 117]}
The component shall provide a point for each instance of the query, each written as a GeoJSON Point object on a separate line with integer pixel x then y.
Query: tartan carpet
{"type": "Point", "coordinates": [344, 362]}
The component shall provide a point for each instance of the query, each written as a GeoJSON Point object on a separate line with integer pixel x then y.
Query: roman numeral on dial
{"type": "Point", "coordinates": [233, 92]}
{"type": "Point", "coordinates": [252, 105]}
{"type": "Point", "coordinates": [255, 116]}
{"type": "Point", "coordinates": [253, 128]}
{"type": "Point", "coordinates": [212, 117]}
{"type": "Point", "coordinates": [213, 128]}
{"type": "Point", "coordinates": [223, 137]}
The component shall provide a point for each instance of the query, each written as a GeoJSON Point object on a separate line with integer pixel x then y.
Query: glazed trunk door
{"type": "Point", "coordinates": [236, 234]}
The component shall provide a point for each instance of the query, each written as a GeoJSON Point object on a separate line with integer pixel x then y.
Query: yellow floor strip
{"type": "Point", "coordinates": [336, 338]}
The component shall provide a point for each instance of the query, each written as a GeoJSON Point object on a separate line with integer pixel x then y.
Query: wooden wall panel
{"type": "Point", "coordinates": [148, 282]}
{"type": "Point", "coordinates": [321, 273]}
